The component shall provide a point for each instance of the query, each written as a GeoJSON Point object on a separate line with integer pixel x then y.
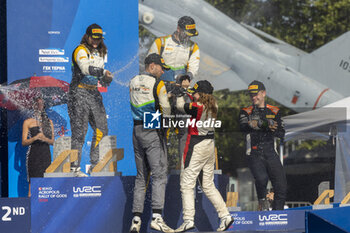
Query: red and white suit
{"type": "Point", "coordinates": [198, 156]}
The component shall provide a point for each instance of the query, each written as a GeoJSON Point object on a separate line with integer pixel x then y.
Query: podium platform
{"type": "Point", "coordinates": [15, 215]}
{"type": "Point", "coordinates": [280, 221]}
{"type": "Point", "coordinates": [103, 204]}
{"type": "Point", "coordinates": [335, 220]}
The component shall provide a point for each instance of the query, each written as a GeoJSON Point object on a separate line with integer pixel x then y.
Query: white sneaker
{"type": "Point", "coordinates": [135, 225]}
{"type": "Point", "coordinates": [225, 223]}
{"type": "Point", "coordinates": [159, 225]}
{"type": "Point", "coordinates": [185, 226]}
{"type": "Point", "coordinates": [77, 172]}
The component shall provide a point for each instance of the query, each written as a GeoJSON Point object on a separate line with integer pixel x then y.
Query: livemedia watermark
{"type": "Point", "coordinates": [156, 121]}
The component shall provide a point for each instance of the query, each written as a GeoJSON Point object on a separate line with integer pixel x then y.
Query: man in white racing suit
{"type": "Point", "coordinates": [148, 96]}
{"type": "Point", "coordinates": [182, 56]}
{"type": "Point", "coordinates": [178, 51]}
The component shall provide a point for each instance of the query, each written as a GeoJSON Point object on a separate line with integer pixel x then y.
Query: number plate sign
{"type": "Point", "coordinates": [15, 215]}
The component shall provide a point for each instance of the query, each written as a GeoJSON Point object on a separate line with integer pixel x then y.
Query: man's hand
{"type": "Point", "coordinates": [109, 74]}
{"type": "Point", "coordinates": [178, 91]}
{"type": "Point", "coordinates": [273, 126]}
{"type": "Point", "coordinates": [253, 124]}
{"type": "Point", "coordinates": [185, 83]}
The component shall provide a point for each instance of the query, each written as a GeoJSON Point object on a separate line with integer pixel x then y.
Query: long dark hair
{"type": "Point", "coordinates": [102, 48]}
{"type": "Point", "coordinates": [46, 124]}
{"type": "Point", "coordinates": [209, 102]}
{"type": "Point", "coordinates": [45, 121]}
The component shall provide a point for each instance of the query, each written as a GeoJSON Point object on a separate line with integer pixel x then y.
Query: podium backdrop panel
{"type": "Point", "coordinates": [96, 204]}
{"type": "Point", "coordinates": [41, 36]}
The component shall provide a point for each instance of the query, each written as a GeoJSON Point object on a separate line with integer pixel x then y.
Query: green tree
{"type": "Point", "coordinates": [305, 24]}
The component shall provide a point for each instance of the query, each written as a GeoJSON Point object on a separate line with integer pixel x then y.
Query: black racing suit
{"type": "Point", "coordinates": [263, 160]}
{"type": "Point", "coordinates": [85, 105]}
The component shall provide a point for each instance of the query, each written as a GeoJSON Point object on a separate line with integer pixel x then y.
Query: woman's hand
{"type": "Point", "coordinates": [41, 137]}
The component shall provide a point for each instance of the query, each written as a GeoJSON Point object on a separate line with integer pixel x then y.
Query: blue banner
{"type": "Point", "coordinates": [42, 35]}
{"type": "Point", "coordinates": [104, 204]}
{"type": "Point", "coordinates": [94, 204]}
{"type": "Point", "coordinates": [287, 220]}
{"type": "Point", "coordinates": [15, 215]}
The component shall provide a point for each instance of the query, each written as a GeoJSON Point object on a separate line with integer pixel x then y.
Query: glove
{"type": "Point", "coordinates": [95, 71]}
{"type": "Point", "coordinates": [106, 80]}
{"type": "Point", "coordinates": [178, 91]}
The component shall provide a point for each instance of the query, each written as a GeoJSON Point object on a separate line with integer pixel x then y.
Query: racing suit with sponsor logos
{"type": "Point", "coordinates": [181, 58]}
{"type": "Point", "coordinates": [199, 156]}
{"type": "Point", "coordinates": [85, 104]}
{"type": "Point", "coordinates": [147, 95]}
{"type": "Point", "coordinates": [263, 160]}
{"type": "Point", "coordinates": [183, 131]}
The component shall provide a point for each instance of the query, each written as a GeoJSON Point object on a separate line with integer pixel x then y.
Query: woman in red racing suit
{"type": "Point", "coordinates": [199, 155]}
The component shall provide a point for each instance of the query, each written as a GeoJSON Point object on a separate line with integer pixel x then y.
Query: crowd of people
{"type": "Point", "coordinates": [170, 65]}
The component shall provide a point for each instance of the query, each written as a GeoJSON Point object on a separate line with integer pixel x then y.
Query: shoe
{"type": "Point", "coordinates": [158, 224]}
{"type": "Point", "coordinates": [278, 205]}
{"type": "Point", "coordinates": [264, 205]}
{"type": "Point", "coordinates": [90, 169]}
{"type": "Point", "coordinates": [225, 223]}
{"type": "Point", "coordinates": [135, 226]}
{"type": "Point", "coordinates": [77, 172]}
{"type": "Point", "coordinates": [185, 226]}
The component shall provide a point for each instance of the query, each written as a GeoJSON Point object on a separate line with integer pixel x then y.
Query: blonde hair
{"type": "Point", "coordinates": [209, 102]}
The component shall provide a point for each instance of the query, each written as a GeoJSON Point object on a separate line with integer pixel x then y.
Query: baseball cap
{"type": "Point", "coordinates": [95, 31]}
{"type": "Point", "coordinates": [188, 25]}
{"type": "Point", "coordinates": [203, 86]}
{"type": "Point", "coordinates": [157, 59]}
{"type": "Point", "coordinates": [256, 86]}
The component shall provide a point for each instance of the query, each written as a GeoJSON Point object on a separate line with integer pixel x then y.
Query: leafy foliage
{"type": "Point", "coordinates": [305, 24]}
{"type": "Point", "coordinates": [311, 144]}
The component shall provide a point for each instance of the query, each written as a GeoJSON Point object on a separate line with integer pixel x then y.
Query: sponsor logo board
{"type": "Point", "coordinates": [53, 59]}
{"type": "Point", "coordinates": [54, 69]}
{"type": "Point", "coordinates": [87, 191]}
{"type": "Point", "coordinates": [53, 32]}
{"type": "Point", "coordinates": [51, 51]}
{"type": "Point", "coordinates": [273, 219]}
{"type": "Point", "coordinates": [46, 193]}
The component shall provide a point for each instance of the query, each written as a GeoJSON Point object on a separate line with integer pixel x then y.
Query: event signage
{"type": "Point", "coordinates": [49, 32]}
{"type": "Point", "coordinates": [268, 220]}
{"type": "Point", "coordinates": [15, 215]}
{"type": "Point", "coordinates": [93, 204]}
